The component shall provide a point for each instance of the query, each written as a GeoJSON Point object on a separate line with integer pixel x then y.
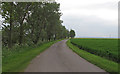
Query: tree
{"type": "Point", "coordinates": [22, 11]}
{"type": "Point", "coordinates": [8, 15]}
{"type": "Point", "coordinates": [31, 23]}
{"type": "Point", "coordinates": [72, 33]}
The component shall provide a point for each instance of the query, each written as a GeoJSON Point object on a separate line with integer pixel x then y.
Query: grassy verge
{"type": "Point", "coordinates": [18, 61]}
{"type": "Point", "coordinates": [105, 64]}
{"type": "Point", "coordinates": [107, 48]}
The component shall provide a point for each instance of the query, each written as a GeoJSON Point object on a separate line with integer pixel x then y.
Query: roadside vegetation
{"type": "Point", "coordinates": [106, 64]}
{"type": "Point", "coordinates": [29, 23]}
{"type": "Point", "coordinates": [17, 59]}
{"type": "Point", "coordinates": [28, 28]}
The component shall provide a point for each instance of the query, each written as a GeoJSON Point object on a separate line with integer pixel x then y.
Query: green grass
{"type": "Point", "coordinates": [107, 48]}
{"type": "Point", "coordinates": [103, 63]}
{"type": "Point", "coordinates": [18, 60]}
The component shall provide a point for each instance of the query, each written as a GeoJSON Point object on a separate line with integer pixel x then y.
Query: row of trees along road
{"type": "Point", "coordinates": [31, 23]}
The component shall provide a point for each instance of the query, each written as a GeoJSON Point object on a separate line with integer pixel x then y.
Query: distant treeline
{"type": "Point", "coordinates": [31, 23]}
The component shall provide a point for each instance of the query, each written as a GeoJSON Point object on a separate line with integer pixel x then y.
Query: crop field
{"type": "Point", "coordinates": [107, 48]}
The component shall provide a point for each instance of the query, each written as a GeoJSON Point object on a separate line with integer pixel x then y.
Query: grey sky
{"type": "Point", "coordinates": [91, 18]}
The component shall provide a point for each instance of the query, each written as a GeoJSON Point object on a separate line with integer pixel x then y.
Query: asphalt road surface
{"type": "Point", "coordinates": [59, 58]}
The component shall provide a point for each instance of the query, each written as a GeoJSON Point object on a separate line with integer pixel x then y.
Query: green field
{"type": "Point", "coordinates": [107, 48]}
{"type": "Point", "coordinates": [107, 65]}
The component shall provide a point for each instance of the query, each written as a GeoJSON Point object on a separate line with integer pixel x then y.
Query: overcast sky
{"type": "Point", "coordinates": [90, 18]}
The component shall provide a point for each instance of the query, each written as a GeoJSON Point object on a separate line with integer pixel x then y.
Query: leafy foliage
{"type": "Point", "coordinates": [31, 22]}
{"type": "Point", "coordinates": [72, 33]}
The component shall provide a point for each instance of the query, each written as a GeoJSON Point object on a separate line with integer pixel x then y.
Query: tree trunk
{"type": "Point", "coordinates": [21, 25]}
{"type": "Point", "coordinates": [21, 30]}
{"type": "Point", "coordinates": [21, 34]}
{"type": "Point", "coordinates": [10, 30]}
{"type": "Point", "coordinates": [37, 37]}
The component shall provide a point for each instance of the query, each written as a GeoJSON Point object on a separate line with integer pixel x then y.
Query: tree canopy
{"type": "Point", "coordinates": [72, 33]}
{"type": "Point", "coordinates": [31, 23]}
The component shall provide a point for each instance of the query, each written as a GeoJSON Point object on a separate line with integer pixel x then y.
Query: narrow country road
{"type": "Point", "coordinates": [59, 58]}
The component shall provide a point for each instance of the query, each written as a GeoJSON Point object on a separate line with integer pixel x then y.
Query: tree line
{"type": "Point", "coordinates": [31, 23]}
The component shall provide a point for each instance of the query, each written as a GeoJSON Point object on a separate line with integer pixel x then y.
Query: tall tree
{"type": "Point", "coordinates": [72, 33]}
{"type": "Point", "coordinates": [31, 23]}
{"type": "Point", "coordinates": [22, 11]}
{"type": "Point", "coordinates": [8, 15]}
